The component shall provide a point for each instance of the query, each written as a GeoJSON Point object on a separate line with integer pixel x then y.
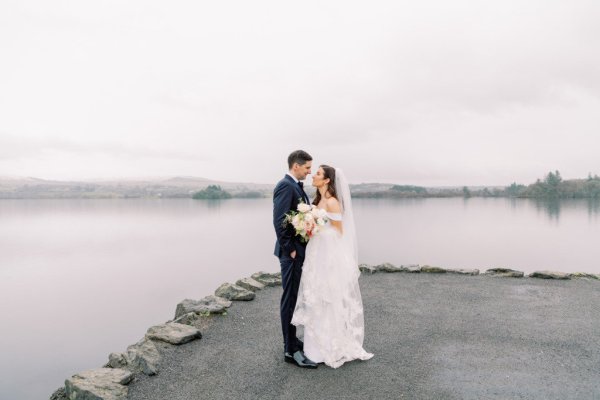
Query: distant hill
{"type": "Point", "coordinates": [176, 187]}
{"type": "Point", "coordinates": [551, 186]}
{"type": "Point", "coordinates": [187, 180]}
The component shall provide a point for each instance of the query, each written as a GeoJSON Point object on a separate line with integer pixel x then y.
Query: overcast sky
{"type": "Point", "coordinates": [416, 92]}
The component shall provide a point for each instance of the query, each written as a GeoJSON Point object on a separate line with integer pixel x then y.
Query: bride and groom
{"type": "Point", "coordinates": [319, 279]}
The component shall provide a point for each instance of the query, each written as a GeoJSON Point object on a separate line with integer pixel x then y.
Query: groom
{"type": "Point", "coordinates": [290, 250]}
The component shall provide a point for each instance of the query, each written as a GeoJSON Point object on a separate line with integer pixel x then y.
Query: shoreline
{"type": "Point", "coordinates": [192, 317]}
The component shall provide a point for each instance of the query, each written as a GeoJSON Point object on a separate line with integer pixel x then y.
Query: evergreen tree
{"type": "Point", "coordinates": [212, 192]}
{"type": "Point", "coordinates": [514, 189]}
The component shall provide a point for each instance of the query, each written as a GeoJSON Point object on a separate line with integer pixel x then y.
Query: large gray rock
{"type": "Point", "coordinates": [585, 275]}
{"type": "Point", "coordinates": [187, 319]}
{"type": "Point", "coordinates": [250, 284]}
{"type": "Point", "coordinates": [143, 356]}
{"type": "Point", "coordinates": [117, 360]}
{"type": "Point", "coordinates": [174, 333]}
{"type": "Point", "coordinates": [234, 292]}
{"type": "Point", "coordinates": [388, 267]}
{"type": "Point", "coordinates": [208, 305]}
{"type": "Point", "coordinates": [432, 270]}
{"type": "Point", "coordinates": [99, 384]}
{"type": "Point", "coordinates": [267, 278]}
{"type": "Point", "coordinates": [504, 272]}
{"type": "Point", "coordinates": [414, 268]}
{"type": "Point", "coordinates": [59, 394]}
{"type": "Point", "coordinates": [462, 271]}
{"type": "Point", "coordinates": [366, 268]}
{"type": "Point", "coordinates": [212, 299]}
{"type": "Point", "coordinates": [549, 275]}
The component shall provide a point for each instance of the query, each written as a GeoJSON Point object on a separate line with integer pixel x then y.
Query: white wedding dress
{"type": "Point", "coordinates": [329, 304]}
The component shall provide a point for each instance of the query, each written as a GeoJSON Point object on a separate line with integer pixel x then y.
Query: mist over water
{"type": "Point", "coordinates": [82, 278]}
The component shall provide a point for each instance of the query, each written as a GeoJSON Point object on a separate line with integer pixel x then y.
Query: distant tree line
{"type": "Point", "coordinates": [215, 192]}
{"type": "Point", "coordinates": [409, 188]}
{"type": "Point", "coordinates": [552, 186]}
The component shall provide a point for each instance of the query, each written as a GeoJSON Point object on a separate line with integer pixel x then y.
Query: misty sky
{"type": "Point", "coordinates": [416, 92]}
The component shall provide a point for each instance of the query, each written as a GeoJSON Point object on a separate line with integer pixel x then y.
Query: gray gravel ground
{"type": "Point", "coordinates": [435, 336]}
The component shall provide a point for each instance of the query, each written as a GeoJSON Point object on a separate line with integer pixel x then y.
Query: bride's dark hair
{"type": "Point", "coordinates": [329, 173]}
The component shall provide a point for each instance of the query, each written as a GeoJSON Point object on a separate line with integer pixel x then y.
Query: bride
{"type": "Point", "coordinates": [329, 304]}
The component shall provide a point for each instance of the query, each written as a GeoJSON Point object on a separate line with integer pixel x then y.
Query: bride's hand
{"type": "Point", "coordinates": [293, 254]}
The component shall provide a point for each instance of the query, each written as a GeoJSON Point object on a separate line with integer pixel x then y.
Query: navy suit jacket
{"type": "Point", "coordinates": [286, 197]}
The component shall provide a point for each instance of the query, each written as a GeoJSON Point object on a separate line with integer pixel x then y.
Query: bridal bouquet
{"type": "Point", "coordinates": [307, 221]}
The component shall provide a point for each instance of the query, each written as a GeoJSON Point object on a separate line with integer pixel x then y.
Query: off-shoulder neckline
{"type": "Point", "coordinates": [328, 211]}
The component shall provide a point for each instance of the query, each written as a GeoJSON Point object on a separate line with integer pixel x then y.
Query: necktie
{"type": "Point", "coordinates": [304, 196]}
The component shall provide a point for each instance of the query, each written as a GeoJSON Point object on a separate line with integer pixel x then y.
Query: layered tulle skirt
{"type": "Point", "coordinates": [329, 304]}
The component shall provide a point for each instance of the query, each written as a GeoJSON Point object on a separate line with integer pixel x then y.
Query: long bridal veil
{"type": "Point", "coordinates": [342, 189]}
{"type": "Point", "coordinates": [347, 332]}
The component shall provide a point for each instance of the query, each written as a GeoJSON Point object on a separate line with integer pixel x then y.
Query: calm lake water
{"type": "Point", "coordinates": [80, 279]}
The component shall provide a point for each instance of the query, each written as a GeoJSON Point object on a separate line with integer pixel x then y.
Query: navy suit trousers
{"type": "Point", "coordinates": [291, 272]}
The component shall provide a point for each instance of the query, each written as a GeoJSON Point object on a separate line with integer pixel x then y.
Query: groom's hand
{"type": "Point", "coordinates": [293, 254]}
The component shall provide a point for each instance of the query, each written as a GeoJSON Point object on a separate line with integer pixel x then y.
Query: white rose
{"type": "Point", "coordinates": [303, 207]}
{"type": "Point", "coordinates": [309, 217]}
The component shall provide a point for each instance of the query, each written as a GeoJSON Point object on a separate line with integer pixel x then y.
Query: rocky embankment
{"type": "Point", "coordinates": [192, 316]}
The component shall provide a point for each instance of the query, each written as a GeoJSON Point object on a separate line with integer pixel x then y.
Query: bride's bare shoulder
{"type": "Point", "coordinates": [333, 205]}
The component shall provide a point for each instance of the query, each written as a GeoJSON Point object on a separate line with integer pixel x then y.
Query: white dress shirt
{"type": "Point", "coordinates": [293, 177]}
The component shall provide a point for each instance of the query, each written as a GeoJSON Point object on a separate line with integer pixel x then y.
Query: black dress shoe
{"type": "Point", "coordinates": [299, 359]}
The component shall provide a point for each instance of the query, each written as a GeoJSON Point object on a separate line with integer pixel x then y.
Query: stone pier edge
{"type": "Point", "coordinates": [134, 361]}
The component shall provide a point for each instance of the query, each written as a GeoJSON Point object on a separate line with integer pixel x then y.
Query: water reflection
{"type": "Point", "coordinates": [58, 258]}
{"type": "Point", "coordinates": [593, 208]}
{"type": "Point", "coordinates": [550, 206]}
{"type": "Point", "coordinates": [553, 207]}
{"type": "Point", "coordinates": [213, 204]}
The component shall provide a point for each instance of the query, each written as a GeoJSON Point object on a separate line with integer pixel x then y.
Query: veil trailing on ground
{"type": "Point", "coordinates": [342, 189]}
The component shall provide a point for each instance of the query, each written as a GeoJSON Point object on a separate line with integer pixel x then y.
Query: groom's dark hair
{"type": "Point", "coordinates": [299, 156]}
